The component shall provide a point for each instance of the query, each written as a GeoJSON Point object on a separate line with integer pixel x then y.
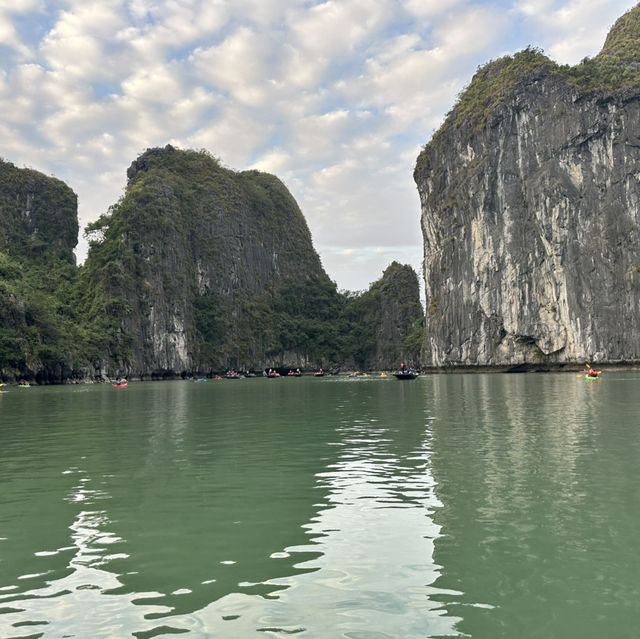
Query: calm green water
{"type": "Point", "coordinates": [485, 506]}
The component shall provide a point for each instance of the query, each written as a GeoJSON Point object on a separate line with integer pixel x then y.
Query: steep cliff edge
{"type": "Point", "coordinates": [196, 267]}
{"type": "Point", "coordinates": [384, 325]}
{"type": "Point", "coordinates": [38, 214]}
{"type": "Point", "coordinates": [530, 212]}
{"type": "Point", "coordinates": [38, 232]}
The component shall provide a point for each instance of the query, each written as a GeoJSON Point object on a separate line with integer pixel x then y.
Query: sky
{"type": "Point", "coordinates": [335, 97]}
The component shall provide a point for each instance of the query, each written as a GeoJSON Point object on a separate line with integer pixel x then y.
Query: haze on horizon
{"type": "Point", "coordinates": [336, 98]}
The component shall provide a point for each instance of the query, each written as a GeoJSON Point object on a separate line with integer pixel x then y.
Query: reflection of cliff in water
{"type": "Point", "coordinates": [374, 535]}
{"type": "Point", "coordinates": [222, 508]}
{"type": "Point", "coordinates": [519, 469]}
{"type": "Point", "coordinates": [67, 598]}
{"type": "Point", "coordinates": [221, 490]}
{"type": "Point", "coordinates": [182, 495]}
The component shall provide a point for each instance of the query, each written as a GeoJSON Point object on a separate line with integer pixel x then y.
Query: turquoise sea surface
{"type": "Point", "coordinates": [485, 506]}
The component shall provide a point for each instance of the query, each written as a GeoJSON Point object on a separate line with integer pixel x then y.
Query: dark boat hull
{"type": "Point", "coordinates": [406, 375]}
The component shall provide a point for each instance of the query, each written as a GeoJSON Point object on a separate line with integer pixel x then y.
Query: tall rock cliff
{"type": "Point", "coordinates": [38, 214]}
{"type": "Point", "coordinates": [385, 324]}
{"type": "Point", "coordinates": [38, 232]}
{"type": "Point", "coordinates": [197, 268]}
{"type": "Point", "coordinates": [530, 199]}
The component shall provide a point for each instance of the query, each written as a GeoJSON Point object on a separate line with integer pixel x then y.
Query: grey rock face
{"type": "Point", "coordinates": [38, 214]}
{"type": "Point", "coordinates": [190, 230]}
{"type": "Point", "coordinates": [531, 230]}
{"type": "Point", "coordinates": [398, 295]}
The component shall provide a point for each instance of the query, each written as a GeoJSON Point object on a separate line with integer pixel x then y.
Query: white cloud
{"type": "Point", "coordinates": [239, 65]}
{"type": "Point", "coordinates": [336, 27]}
{"type": "Point", "coordinates": [569, 31]}
{"type": "Point", "coordinates": [164, 27]}
{"type": "Point", "coordinates": [160, 85]}
{"type": "Point", "coordinates": [335, 97]}
{"type": "Point", "coordinates": [277, 161]}
{"type": "Point", "coordinates": [233, 135]}
{"type": "Point", "coordinates": [10, 38]}
{"type": "Point", "coordinates": [470, 32]}
{"type": "Point", "coordinates": [430, 8]}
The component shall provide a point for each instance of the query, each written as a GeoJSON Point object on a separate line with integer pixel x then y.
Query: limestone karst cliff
{"type": "Point", "coordinates": [195, 270]}
{"type": "Point", "coordinates": [530, 200]}
{"type": "Point", "coordinates": [200, 269]}
{"type": "Point", "coordinates": [38, 232]}
{"type": "Point", "coordinates": [192, 263]}
{"type": "Point", "coordinates": [38, 214]}
{"type": "Point", "coordinates": [386, 323]}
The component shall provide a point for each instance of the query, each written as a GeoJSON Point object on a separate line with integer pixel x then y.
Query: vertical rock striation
{"type": "Point", "coordinates": [385, 324]}
{"type": "Point", "coordinates": [190, 261]}
{"type": "Point", "coordinates": [530, 199]}
{"type": "Point", "coordinates": [38, 214]}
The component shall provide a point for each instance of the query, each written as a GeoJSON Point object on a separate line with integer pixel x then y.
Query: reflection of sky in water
{"type": "Point", "coordinates": [75, 605]}
{"type": "Point", "coordinates": [374, 543]}
{"type": "Point", "coordinates": [366, 573]}
{"type": "Point", "coordinates": [379, 508]}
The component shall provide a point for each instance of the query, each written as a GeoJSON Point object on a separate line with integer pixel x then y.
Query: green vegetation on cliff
{"type": "Point", "coordinates": [202, 268]}
{"type": "Point", "coordinates": [196, 269]}
{"type": "Point", "coordinates": [38, 231]}
{"type": "Point", "coordinates": [385, 324]}
{"type": "Point", "coordinates": [615, 69]}
{"type": "Point", "coordinates": [622, 44]}
{"type": "Point", "coordinates": [214, 255]}
{"type": "Point", "coordinates": [37, 214]}
{"type": "Point", "coordinates": [494, 82]}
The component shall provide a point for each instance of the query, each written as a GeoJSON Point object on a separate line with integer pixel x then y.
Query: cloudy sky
{"type": "Point", "coordinates": [335, 97]}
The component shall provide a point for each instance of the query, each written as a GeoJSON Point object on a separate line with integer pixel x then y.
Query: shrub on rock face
{"type": "Point", "coordinates": [530, 221]}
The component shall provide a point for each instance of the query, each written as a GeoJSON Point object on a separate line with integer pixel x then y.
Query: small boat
{"type": "Point", "coordinates": [120, 385]}
{"type": "Point", "coordinates": [201, 380]}
{"type": "Point", "coordinates": [319, 373]}
{"type": "Point", "coordinates": [406, 375]}
{"type": "Point", "coordinates": [590, 373]}
{"type": "Point", "coordinates": [383, 374]}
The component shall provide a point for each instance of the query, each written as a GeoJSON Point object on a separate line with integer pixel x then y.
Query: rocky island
{"type": "Point", "coordinates": [197, 269]}
{"type": "Point", "coordinates": [530, 200]}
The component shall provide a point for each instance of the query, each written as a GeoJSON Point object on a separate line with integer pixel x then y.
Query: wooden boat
{"type": "Point", "coordinates": [406, 375]}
